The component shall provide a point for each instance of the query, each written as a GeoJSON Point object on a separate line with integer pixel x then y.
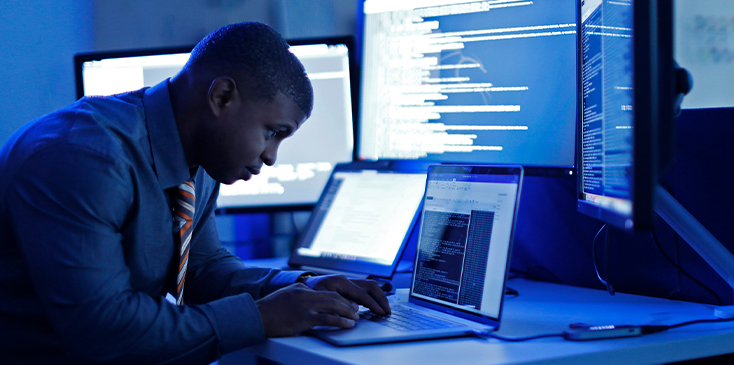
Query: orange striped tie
{"type": "Point", "coordinates": [183, 221]}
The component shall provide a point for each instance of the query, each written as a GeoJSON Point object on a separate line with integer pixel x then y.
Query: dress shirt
{"type": "Point", "coordinates": [86, 246]}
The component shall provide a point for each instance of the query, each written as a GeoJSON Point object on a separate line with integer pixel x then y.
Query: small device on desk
{"type": "Point", "coordinates": [601, 332]}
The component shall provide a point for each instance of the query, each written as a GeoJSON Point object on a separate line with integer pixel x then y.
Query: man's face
{"type": "Point", "coordinates": [247, 135]}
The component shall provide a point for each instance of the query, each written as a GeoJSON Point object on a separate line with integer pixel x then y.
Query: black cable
{"type": "Point", "coordinates": [593, 258]}
{"type": "Point", "coordinates": [682, 271]}
{"type": "Point", "coordinates": [511, 291]}
{"type": "Point", "coordinates": [677, 289]}
{"type": "Point", "coordinates": [698, 321]}
{"type": "Point", "coordinates": [517, 339]}
{"type": "Point", "coordinates": [610, 289]}
{"type": "Point", "coordinates": [678, 272]}
{"type": "Point", "coordinates": [676, 264]}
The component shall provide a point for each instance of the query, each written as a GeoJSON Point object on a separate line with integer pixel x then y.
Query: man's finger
{"type": "Point", "coordinates": [326, 319]}
{"type": "Point", "coordinates": [356, 291]}
{"type": "Point", "coordinates": [333, 303]}
{"type": "Point", "coordinates": [374, 290]}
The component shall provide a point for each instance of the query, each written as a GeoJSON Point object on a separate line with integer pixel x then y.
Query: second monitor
{"type": "Point", "coordinates": [304, 161]}
{"type": "Point", "coordinates": [469, 81]}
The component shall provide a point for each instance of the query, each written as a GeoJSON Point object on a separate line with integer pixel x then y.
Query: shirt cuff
{"type": "Point", "coordinates": [281, 280]}
{"type": "Point", "coordinates": [237, 322]}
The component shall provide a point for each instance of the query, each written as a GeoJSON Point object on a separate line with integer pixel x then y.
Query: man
{"type": "Point", "coordinates": [87, 245]}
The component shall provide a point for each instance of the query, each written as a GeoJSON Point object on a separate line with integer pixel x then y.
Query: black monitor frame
{"type": "Point", "coordinates": [653, 121]}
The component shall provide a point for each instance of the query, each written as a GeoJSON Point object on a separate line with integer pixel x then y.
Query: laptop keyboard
{"type": "Point", "coordinates": [403, 318]}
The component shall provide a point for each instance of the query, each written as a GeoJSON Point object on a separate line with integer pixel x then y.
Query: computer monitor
{"type": "Point", "coordinates": [629, 87]}
{"type": "Point", "coordinates": [469, 81]}
{"type": "Point", "coordinates": [304, 161]}
{"type": "Point", "coordinates": [626, 103]}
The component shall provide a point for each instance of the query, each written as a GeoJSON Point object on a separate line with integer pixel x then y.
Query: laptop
{"type": "Point", "coordinates": [363, 219]}
{"type": "Point", "coordinates": [461, 262]}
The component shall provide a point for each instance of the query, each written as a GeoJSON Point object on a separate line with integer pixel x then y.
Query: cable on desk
{"type": "Point", "coordinates": [697, 321]}
{"type": "Point", "coordinates": [511, 291]}
{"type": "Point", "coordinates": [485, 334]}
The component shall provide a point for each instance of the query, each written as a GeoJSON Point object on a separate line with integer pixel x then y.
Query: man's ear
{"type": "Point", "coordinates": [222, 93]}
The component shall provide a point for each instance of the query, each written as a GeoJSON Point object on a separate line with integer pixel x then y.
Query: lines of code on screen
{"type": "Point", "coordinates": [483, 81]}
{"type": "Point", "coordinates": [452, 259]}
{"type": "Point", "coordinates": [607, 78]}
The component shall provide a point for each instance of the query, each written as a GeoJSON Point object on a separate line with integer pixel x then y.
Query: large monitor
{"type": "Point", "coordinates": [625, 108]}
{"type": "Point", "coordinates": [304, 161]}
{"type": "Point", "coordinates": [469, 81]}
{"type": "Point", "coordinates": [628, 90]}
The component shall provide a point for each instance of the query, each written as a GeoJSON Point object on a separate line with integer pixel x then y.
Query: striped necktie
{"type": "Point", "coordinates": [183, 221]}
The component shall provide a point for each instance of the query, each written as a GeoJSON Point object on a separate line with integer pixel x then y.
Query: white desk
{"type": "Point", "coordinates": [540, 308]}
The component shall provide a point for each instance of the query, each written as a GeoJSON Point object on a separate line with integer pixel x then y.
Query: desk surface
{"type": "Point", "coordinates": [540, 308]}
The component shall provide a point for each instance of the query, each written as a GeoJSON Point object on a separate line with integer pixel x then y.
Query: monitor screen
{"type": "Point", "coordinates": [364, 218]}
{"type": "Point", "coordinates": [469, 81]}
{"type": "Point", "coordinates": [304, 161]}
{"type": "Point", "coordinates": [625, 108]}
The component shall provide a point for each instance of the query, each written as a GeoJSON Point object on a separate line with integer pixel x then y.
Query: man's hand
{"type": "Point", "coordinates": [324, 301]}
{"type": "Point", "coordinates": [364, 292]}
{"type": "Point", "coordinates": [296, 308]}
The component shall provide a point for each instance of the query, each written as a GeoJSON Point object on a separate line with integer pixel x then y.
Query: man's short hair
{"type": "Point", "coordinates": [257, 57]}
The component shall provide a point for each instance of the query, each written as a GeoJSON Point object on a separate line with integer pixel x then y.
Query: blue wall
{"type": "Point", "coordinates": [38, 44]}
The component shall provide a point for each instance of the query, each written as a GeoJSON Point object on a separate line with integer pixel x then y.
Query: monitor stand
{"type": "Point", "coordinates": [699, 238]}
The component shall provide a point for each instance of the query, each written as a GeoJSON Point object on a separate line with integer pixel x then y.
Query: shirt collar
{"type": "Point", "coordinates": [165, 143]}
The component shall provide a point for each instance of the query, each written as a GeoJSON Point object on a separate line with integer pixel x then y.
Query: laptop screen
{"type": "Point", "coordinates": [465, 237]}
{"type": "Point", "coordinates": [362, 220]}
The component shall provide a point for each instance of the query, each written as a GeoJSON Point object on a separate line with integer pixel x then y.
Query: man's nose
{"type": "Point", "coordinates": [270, 155]}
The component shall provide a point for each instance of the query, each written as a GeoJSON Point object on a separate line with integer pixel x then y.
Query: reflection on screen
{"type": "Point", "coordinates": [469, 81]}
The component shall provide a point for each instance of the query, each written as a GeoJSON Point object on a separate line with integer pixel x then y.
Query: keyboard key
{"type": "Point", "coordinates": [403, 318]}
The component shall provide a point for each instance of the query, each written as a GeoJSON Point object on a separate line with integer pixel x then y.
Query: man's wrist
{"type": "Point", "coordinates": [303, 277]}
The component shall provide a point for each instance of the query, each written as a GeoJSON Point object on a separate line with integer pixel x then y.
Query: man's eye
{"type": "Point", "coordinates": [273, 133]}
